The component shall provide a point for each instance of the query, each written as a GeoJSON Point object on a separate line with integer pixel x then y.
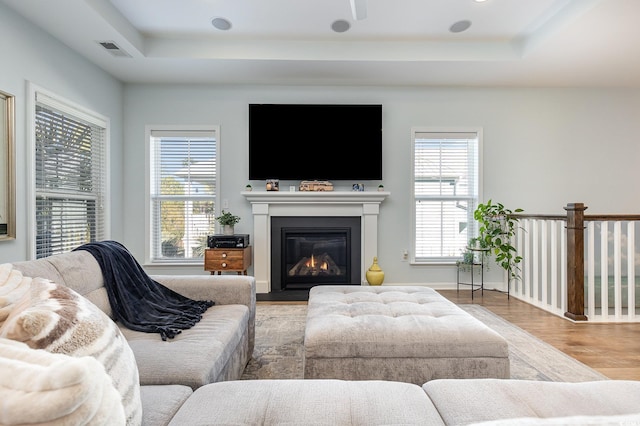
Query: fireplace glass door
{"type": "Point", "coordinates": [316, 256]}
{"type": "Point", "coordinates": [310, 251]}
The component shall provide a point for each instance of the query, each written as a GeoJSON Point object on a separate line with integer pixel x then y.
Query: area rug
{"type": "Point", "coordinates": [280, 338]}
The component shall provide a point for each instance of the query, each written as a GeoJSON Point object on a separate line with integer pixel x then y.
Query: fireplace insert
{"type": "Point", "coordinates": [310, 251]}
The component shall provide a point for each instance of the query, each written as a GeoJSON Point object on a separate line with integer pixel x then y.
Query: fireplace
{"type": "Point", "coordinates": [309, 251]}
{"type": "Point", "coordinates": [268, 205]}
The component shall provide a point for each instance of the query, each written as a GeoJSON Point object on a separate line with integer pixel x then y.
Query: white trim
{"type": "Point", "coordinates": [62, 104]}
{"type": "Point", "coordinates": [171, 129]}
{"type": "Point", "coordinates": [444, 131]}
{"type": "Point", "coordinates": [67, 107]}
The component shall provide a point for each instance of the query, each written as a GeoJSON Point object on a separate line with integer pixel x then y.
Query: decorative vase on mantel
{"type": "Point", "coordinates": [375, 275]}
{"type": "Point", "coordinates": [228, 229]}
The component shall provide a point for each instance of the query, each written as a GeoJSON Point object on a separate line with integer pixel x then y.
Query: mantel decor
{"type": "Point", "coordinates": [315, 185]}
{"type": "Point", "coordinates": [273, 185]}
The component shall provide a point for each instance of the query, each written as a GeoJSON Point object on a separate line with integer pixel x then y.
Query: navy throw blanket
{"type": "Point", "coordinates": [139, 302]}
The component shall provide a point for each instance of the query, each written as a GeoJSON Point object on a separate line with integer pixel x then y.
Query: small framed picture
{"type": "Point", "coordinates": [358, 187]}
{"type": "Point", "coordinates": [273, 185]}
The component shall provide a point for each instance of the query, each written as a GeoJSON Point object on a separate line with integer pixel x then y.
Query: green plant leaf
{"type": "Point", "coordinates": [497, 226]}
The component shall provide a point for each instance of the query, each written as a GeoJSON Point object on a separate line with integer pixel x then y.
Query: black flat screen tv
{"type": "Point", "coordinates": [315, 142]}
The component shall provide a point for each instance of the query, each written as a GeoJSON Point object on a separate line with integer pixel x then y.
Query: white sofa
{"type": "Point", "coordinates": [438, 402]}
{"type": "Point", "coordinates": [216, 349]}
{"type": "Point", "coordinates": [194, 382]}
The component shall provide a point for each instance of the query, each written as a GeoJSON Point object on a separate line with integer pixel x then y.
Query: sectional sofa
{"type": "Point", "coordinates": [193, 378]}
{"type": "Point", "coordinates": [216, 349]}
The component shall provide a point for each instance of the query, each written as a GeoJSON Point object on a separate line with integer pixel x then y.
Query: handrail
{"type": "Point", "coordinates": [538, 216]}
{"type": "Point", "coordinates": [613, 217]}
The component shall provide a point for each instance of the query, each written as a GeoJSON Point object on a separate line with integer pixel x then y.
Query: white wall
{"type": "Point", "coordinates": [543, 148]}
{"type": "Point", "coordinates": [28, 54]}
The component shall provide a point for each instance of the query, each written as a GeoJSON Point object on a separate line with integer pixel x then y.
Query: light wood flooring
{"type": "Point", "coordinates": [611, 349]}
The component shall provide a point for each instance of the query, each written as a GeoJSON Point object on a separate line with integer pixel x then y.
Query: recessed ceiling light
{"type": "Point", "coordinates": [221, 23]}
{"type": "Point", "coordinates": [460, 26]}
{"type": "Point", "coordinates": [340, 26]}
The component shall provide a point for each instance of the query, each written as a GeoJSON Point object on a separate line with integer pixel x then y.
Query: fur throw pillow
{"type": "Point", "coordinates": [38, 387]}
{"type": "Point", "coordinates": [12, 287]}
{"type": "Point", "coordinates": [55, 318]}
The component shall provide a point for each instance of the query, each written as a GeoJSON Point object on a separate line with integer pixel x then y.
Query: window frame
{"type": "Point", "coordinates": [149, 231]}
{"type": "Point", "coordinates": [441, 260]}
{"type": "Point", "coordinates": [37, 95]}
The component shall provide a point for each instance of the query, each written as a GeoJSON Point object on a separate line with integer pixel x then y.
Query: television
{"type": "Point", "coordinates": [315, 142]}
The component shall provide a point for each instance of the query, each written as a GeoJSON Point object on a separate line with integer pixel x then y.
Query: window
{"type": "Point", "coordinates": [70, 175]}
{"type": "Point", "coordinates": [183, 187]}
{"type": "Point", "coordinates": [445, 192]}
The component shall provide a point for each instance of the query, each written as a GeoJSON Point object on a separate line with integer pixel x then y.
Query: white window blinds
{"type": "Point", "coordinates": [70, 176]}
{"type": "Point", "coordinates": [182, 192]}
{"type": "Point", "coordinates": [445, 192]}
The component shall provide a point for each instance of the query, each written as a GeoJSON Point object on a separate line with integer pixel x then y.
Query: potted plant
{"type": "Point", "coordinates": [497, 228]}
{"type": "Point", "coordinates": [227, 220]}
{"type": "Point", "coordinates": [468, 258]}
{"type": "Point", "coordinates": [476, 248]}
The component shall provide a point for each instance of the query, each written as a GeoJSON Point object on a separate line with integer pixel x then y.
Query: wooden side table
{"type": "Point", "coordinates": [227, 259]}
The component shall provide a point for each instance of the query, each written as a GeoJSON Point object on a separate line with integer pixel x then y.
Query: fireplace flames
{"type": "Point", "coordinates": [312, 264]}
{"type": "Point", "coordinates": [321, 264]}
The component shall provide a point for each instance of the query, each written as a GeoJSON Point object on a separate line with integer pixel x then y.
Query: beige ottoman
{"type": "Point", "coordinates": [410, 334]}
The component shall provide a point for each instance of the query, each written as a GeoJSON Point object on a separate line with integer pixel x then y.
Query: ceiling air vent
{"type": "Point", "coordinates": [114, 49]}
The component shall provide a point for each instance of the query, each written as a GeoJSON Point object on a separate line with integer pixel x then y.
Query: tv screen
{"type": "Point", "coordinates": [315, 142]}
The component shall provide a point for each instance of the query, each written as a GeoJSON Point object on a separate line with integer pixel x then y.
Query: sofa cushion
{"type": "Point", "coordinates": [77, 270]}
{"type": "Point", "coordinates": [196, 356]}
{"type": "Point", "coordinates": [161, 403]}
{"type": "Point", "coordinates": [138, 301]}
{"type": "Point", "coordinates": [37, 386]}
{"type": "Point", "coordinates": [56, 318]}
{"type": "Point", "coordinates": [308, 402]}
{"type": "Point", "coordinates": [492, 399]}
{"type": "Point", "coordinates": [620, 420]}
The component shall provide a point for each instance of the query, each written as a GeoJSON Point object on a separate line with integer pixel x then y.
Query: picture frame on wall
{"type": "Point", "coordinates": [7, 167]}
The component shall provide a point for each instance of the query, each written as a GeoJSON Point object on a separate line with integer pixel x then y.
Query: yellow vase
{"type": "Point", "coordinates": [375, 275]}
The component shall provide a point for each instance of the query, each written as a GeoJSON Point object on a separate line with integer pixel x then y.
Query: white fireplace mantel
{"type": "Point", "coordinates": [266, 204]}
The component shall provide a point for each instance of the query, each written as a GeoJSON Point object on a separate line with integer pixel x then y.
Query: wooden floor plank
{"type": "Point", "coordinates": [611, 349]}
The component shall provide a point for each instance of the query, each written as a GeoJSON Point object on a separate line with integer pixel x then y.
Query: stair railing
{"type": "Point", "coordinates": [579, 266]}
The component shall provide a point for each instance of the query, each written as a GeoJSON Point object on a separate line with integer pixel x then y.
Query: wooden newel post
{"type": "Point", "coordinates": [575, 262]}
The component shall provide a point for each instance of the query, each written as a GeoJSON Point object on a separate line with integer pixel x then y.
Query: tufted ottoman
{"type": "Point", "coordinates": [401, 333]}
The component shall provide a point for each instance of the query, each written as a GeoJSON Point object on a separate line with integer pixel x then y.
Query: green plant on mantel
{"type": "Point", "coordinates": [497, 227]}
{"type": "Point", "coordinates": [227, 218]}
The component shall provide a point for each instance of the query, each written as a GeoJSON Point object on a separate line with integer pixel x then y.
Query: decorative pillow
{"type": "Point", "coordinates": [55, 318]}
{"type": "Point", "coordinates": [37, 386]}
{"type": "Point", "coordinates": [12, 287]}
